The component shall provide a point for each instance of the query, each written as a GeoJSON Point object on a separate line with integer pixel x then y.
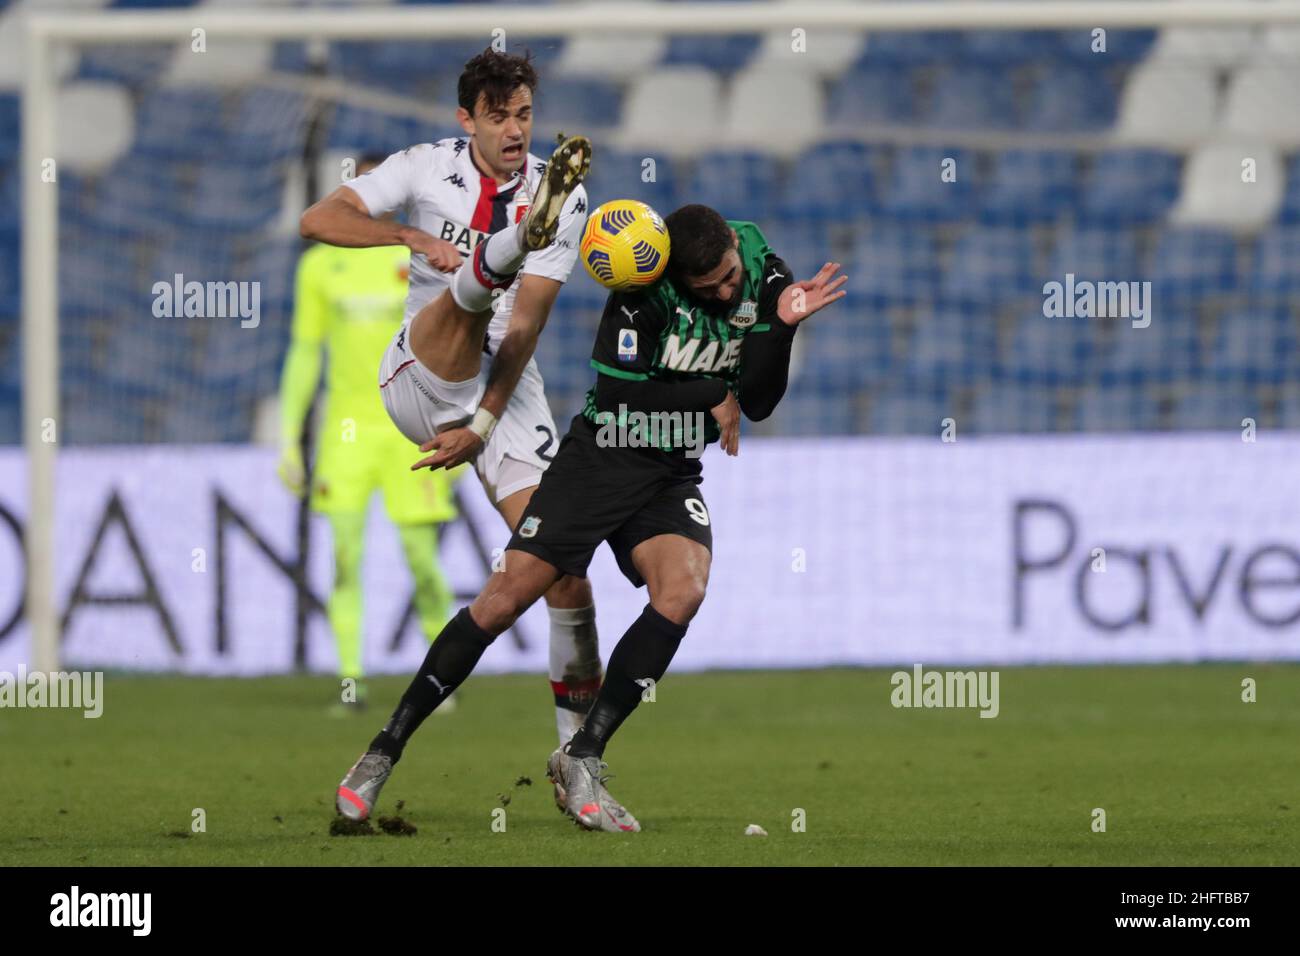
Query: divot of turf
{"type": "Point", "coordinates": [342, 826]}
{"type": "Point", "coordinates": [396, 826]}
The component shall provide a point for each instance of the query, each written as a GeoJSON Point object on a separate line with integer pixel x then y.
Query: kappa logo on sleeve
{"type": "Point", "coordinates": [627, 345]}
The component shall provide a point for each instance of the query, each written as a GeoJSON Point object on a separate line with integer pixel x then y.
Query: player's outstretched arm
{"type": "Point", "coordinates": [765, 355]}
{"type": "Point", "coordinates": [342, 219]}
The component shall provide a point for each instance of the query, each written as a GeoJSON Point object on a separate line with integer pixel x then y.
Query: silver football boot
{"type": "Point", "coordinates": [580, 792]}
{"type": "Point", "coordinates": [359, 790]}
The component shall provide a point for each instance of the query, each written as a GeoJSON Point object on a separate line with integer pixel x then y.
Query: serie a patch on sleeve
{"type": "Point", "coordinates": [627, 345]}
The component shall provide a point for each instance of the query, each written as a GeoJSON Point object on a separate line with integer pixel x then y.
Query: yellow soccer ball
{"type": "Point", "coordinates": [624, 245]}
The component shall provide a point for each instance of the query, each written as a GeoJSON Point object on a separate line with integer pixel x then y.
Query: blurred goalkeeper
{"type": "Point", "coordinates": [349, 303]}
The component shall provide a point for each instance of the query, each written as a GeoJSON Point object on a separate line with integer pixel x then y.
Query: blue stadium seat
{"type": "Point", "coordinates": [1116, 409]}
{"type": "Point", "coordinates": [1010, 47]}
{"type": "Point", "coordinates": [1131, 186]}
{"type": "Point", "coordinates": [623, 175]}
{"type": "Point", "coordinates": [274, 264]}
{"type": "Point", "coordinates": [363, 130]}
{"type": "Point", "coordinates": [1122, 46]}
{"type": "Point", "coordinates": [10, 382]}
{"type": "Point", "coordinates": [739, 185]}
{"type": "Point", "coordinates": [138, 197]}
{"type": "Point", "coordinates": [290, 56]}
{"type": "Point", "coordinates": [871, 95]}
{"type": "Point", "coordinates": [1050, 351]}
{"type": "Point", "coordinates": [989, 265]}
{"type": "Point", "coordinates": [804, 411]}
{"type": "Point", "coordinates": [1253, 346]}
{"type": "Point", "coordinates": [912, 47]}
{"type": "Point", "coordinates": [952, 345]}
{"type": "Point", "coordinates": [973, 98]}
{"type": "Point", "coordinates": [725, 53]}
{"type": "Point", "coordinates": [1277, 262]}
{"type": "Point", "coordinates": [1288, 408]}
{"type": "Point", "coordinates": [1167, 351]}
{"type": "Point", "coordinates": [1030, 186]}
{"type": "Point", "coordinates": [803, 245]}
{"type": "Point", "coordinates": [10, 124]}
{"type": "Point", "coordinates": [565, 103]}
{"type": "Point", "coordinates": [237, 198]}
{"type": "Point", "coordinates": [402, 65]}
{"type": "Point", "coordinates": [1098, 255]}
{"type": "Point", "coordinates": [94, 418]}
{"type": "Point", "coordinates": [894, 265]}
{"type": "Point", "coordinates": [1001, 408]}
{"type": "Point", "coordinates": [838, 359]}
{"type": "Point", "coordinates": [1190, 264]}
{"type": "Point", "coordinates": [179, 124]}
{"type": "Point", "coordinates": [1210, 407]}
{"type": "Point", "coordinates": [268, 126]}
{"type": "Point", "coordinates": [909, 412]}
{"type": "Point", "coordinates": [1066, 99]}
{"type": "Point", "coordinates": [1290, 211]}
{"type": "Point", "coordinates": [831, 182]}
{"type": "Point", "coordinates": [917, 192]}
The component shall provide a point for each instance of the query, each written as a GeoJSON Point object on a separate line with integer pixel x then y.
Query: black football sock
{"type": "Point", "coordinates": [451, 658]}
{"type": "Point", "coordinates": [645, 651]}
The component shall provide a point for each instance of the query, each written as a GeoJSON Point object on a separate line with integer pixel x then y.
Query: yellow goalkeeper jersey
{"type": "Point", "coordinates": [352, 301]}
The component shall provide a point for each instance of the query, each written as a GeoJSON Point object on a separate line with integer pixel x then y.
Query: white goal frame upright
{"type": "Point", "coordinates": [45, 31]}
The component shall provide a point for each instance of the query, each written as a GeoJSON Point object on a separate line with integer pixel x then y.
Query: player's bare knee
{"type": "Point", "coordinates": [680, 598]}
{"type": "Point", "coordinates": [495, 610]}
{"type": "Point", "coordinates": [570, 591]}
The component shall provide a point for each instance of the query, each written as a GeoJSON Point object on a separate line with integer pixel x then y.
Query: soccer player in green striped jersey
{"type": "Point", "coordinates": [708, 341]}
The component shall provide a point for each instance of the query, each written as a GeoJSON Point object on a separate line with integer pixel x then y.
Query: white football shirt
{"type": "Point", "coordinates": [442, 192]}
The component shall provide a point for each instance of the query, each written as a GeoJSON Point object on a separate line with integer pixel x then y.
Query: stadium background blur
{"type": "Point", "coordinates": [848, 531]}
{"type": "Point", "coordinates": [1103, 166]}
{"type": "Point", "coordinates": [953, 173]}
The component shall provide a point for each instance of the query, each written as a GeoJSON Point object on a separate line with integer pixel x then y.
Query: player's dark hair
{"type": "Point", "coordinates": [699, 237]}
{"type": "Point", "coordinates": [496, 76]}
{"type": "Point", "coordinates": [370, 159]}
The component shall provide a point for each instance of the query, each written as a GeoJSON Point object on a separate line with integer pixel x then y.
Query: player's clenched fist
{"type": "Point", "coordinates": [442, 255]}
{"type": "Point", "coordinates": [727, 415]}
{"type": "Point", "coordinates": [802, 299]}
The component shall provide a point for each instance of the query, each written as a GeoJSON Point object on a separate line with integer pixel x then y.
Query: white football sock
{"type": "Point", "coordinates": [575, 666]}
{"type": "Point", "coordinates": [491, 266]}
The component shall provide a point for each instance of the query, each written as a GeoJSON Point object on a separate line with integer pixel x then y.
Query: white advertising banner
{"type": "Point", "coordinates": [854, 551]}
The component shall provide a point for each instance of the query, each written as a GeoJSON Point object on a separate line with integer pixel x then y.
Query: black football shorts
{"type": "Point", "coordinates": [591, 494]}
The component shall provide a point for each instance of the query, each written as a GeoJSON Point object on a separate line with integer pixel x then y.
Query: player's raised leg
{"type": "Point", "coordinates": [450, 660]}
{"type": "Point", "coordinates": [444, 335]}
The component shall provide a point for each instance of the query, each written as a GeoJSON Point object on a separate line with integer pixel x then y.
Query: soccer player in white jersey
{"type": "Point", "coordinates": [493, 232]}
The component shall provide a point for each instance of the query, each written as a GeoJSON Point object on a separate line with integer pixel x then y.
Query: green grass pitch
{"type": "Point", "coordinates": [1187, 773]}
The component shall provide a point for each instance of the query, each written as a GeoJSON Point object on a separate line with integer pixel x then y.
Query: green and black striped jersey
{"type": "Point", "coordinates": [661, 334]}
